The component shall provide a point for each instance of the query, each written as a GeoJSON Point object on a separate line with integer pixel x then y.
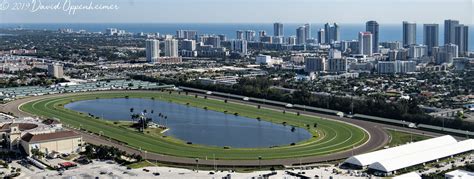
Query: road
{"type": "Point", "coordinates": [378, 136]}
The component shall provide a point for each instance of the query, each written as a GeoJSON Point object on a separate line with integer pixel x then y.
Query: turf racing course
{"type": "Point", "coordinates": [332, 139]}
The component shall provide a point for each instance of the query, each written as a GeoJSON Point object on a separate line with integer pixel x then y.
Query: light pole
{"type": "Point", "coordinates": [301, 165]}
{"type": "Point", "coordinates": [197, 165]}
{"type": "Point", "coordinates": [215, 166]}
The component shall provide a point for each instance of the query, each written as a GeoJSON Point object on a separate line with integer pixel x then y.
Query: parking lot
{"type": "Point", "coordinates": [108, 169]}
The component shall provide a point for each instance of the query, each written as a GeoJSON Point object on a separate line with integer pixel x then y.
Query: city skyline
{"type": "Point", "coordinates": [246, 11]}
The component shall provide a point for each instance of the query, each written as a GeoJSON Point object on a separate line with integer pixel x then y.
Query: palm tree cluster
{"type": "Point", "coordinates": [141, 120]}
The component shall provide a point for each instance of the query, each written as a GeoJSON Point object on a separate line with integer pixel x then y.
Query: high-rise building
{"type": "Point", "coordinates": [315, 64]}
{"type": "Point", "coordinates": [239, 35]}
{"type": "Point", "coordinates": [300, 35]}
{"type": "Point", "coordinates": [392, 45]}
{"type": "Point", "coordinates": [262, 33]}
{"type": "Point", "coordinates": [189, 45]}
{"type": "Point", "coordinates": [333, 53]}
{"type": "Point", "coordinates": [418, 51]}
{"type": "Point", "coordinates": [55, 70]}
{"type": "Point", "coordinates": [186, 34]}
{"type": "Point", "coordinates": [337, 65]}
{"type": "Point", "coordinates": [111, 31]}
{"type": "Point", "coordinates": [307, 31]}
{"type": "Point", "coordinates": [461, 38]}
{"type": "Point", "coordinates": [431, 36]}
{"type": "Point", "coordinates": [263, 60]}
{"type": "Point", "coordinates": [373, 28]}
{"type": "Point", "coordinates": [249, 35]}
{"type": "Point", "coordinates": [292, 40]}
{"type": "Point", "coordinates": [392, 67]}
{"type": "Point", "coordinates": [449, 26]}
{"type": "Point", "coordinates": [278, 29]}
{"type": "Point", "coordinates": [350, 46]}
{"type": "Point", "coordinates": [331, 33]}
{"type": "Point", "coordinates": [222, 37]}
{"type": "Point", "coordinates": [321, 36]}
{"type": "Point", "coordinates": [365, 43]}
{"type": "Point", "coordinates": [446, 54]}
{"type": "Point", "coordinates": [152, 50]}
{"type": "Point", "coordinates": [278, 40]}
{"type": "Point", "coordinates": [213, 40]}
{"type": "Point", "coordinates": [239, 46]}
{"type": "Point", "coordinates": [409, 33]}
{"type": "Point", "coordinates": [171, 48]}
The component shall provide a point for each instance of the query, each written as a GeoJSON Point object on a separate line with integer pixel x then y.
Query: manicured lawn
{"type": "Point", "coordinates": [328, 137]}
{"type": "Point", "coordinates": [400, 138]}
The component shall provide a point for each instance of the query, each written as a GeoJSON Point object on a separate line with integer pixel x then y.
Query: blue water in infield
{"type": "Point", "coordinates": [197, 125]}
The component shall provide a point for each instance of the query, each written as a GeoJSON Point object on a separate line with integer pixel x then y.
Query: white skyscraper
{"type": "Point", "coordinates": [171, 48]}
{"type": "Point", "coordinates": [55, 70]}
{"type": "Point", "coordinates": [152, 50]}
{"type": "Point", "coordinates": [307, 31]}
{"type": "Point", "coordinates": [365, 43]}
{"type": "Point", "coordinates": [249, 35]}
{"type": "Point", "coordinates": [239, 46]}
{"type": "Point", "coordinates": [418, 51]}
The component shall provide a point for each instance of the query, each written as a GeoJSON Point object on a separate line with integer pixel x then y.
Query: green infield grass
{"type": "Point", "coordinates": [329, 136]}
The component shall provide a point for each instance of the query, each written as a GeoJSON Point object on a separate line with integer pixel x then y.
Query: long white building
{"type": "Point", "coordinates": [394, 152]}
{"type": "Point", "coordinates": [389, 161]}
{"type": "Point", "coordinates": [421, 157]}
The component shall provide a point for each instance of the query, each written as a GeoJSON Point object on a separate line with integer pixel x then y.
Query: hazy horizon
{"type": "Point", "coordinates": [248, 11]}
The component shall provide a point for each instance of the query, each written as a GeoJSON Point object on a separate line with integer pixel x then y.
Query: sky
{"type": "Point", "coordinates": [237, 11]}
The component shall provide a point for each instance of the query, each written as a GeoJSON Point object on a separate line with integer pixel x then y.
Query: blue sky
{"type": "Point", "coordinates": [248, 11]}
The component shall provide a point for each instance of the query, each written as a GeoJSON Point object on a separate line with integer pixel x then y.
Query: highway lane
{"type": "Point", "coordinates": [378, 136]}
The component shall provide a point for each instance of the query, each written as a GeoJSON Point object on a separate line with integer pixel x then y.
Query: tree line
{"type": "Point", "coordinates": [261, 87]}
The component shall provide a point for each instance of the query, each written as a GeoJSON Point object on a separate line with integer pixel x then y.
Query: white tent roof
{"type": "Point", "coordinates": [369, 158]}
{"type": "Point", "coordinates": [420, 157]}
{"type": "Point", "coordinates": [459, 174]}
{"type": "Point", "coordinates": [411, 175]}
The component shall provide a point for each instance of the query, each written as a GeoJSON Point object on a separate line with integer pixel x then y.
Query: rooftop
{"type": "Point", "coordinates": [49, 136]}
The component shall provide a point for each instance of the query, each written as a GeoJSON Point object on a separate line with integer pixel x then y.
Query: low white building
{"type": "Point", "coordinates": [459, 174]}
{"type": "Point", "coordinates": [366, 159]}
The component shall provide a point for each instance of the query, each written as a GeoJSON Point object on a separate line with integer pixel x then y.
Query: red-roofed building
{"type": "Point", "coordinates": [61, 142]}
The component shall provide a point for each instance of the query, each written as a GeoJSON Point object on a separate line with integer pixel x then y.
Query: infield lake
{"type": "Point", "coordinates": [196, 125]}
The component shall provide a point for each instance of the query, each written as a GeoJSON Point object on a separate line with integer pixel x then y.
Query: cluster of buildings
{"type": "Point", "coordinates": [170, 51]}
{"type": "Point", "coordinates": [367, 54]}
{"type": "Point", "coordinates": [45, 136]}
{"type": "Point", "coordinates": [328, 52]}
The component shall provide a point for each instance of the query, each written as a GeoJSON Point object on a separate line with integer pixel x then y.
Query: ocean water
{"type": "Point", "coordinates": [388, 32]}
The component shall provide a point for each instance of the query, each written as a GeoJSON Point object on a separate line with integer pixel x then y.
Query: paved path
{"type": "Point", "coordinates": [378, 136]}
